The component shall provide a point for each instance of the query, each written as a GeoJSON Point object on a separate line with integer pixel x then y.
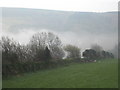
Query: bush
{"type": "Point", "coordinates": [23, 67]}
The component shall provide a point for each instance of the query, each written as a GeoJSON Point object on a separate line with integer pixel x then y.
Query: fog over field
{"type": "Point", "coordinates": [77, 28]}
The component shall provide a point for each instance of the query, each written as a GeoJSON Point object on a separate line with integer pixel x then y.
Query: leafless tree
{"type": "Point", "coordinates": [73, 51]}
{"type": "Point", "coordinates": [41, 40]}
{"type": "Point", "coordinates": [96, 47]}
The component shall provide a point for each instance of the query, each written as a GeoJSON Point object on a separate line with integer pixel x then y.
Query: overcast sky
{"type": "Point", "coordinates": [66, 5]}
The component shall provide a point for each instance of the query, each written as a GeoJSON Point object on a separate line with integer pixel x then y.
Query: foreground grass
{"type": "Point", "coordinates": [103, 74]}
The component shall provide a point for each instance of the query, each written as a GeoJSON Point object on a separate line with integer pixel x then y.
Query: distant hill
{"type": "Point", "coordinates": [78, 28]}
{"type": "Point", "coordinates": [20, 18]}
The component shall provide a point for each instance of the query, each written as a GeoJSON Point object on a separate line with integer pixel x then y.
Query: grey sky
{"type": "Point", "coordinates": [67, 5]}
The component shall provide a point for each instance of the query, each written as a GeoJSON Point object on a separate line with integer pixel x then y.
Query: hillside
{"type": "Point", "coordinates": [78, 28]}
{"type": "Point", "coordinates": [19, 18]}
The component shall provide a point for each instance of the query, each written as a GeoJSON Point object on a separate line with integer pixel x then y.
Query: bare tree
{"type": "Point", "coordinates": [73, 51]}
{"type": "Point", "coordinates": [47, 39]}
{"type": "Point", "coordinates": [96, 47]}
{"type": "Point", "coordinates": [9, 49]}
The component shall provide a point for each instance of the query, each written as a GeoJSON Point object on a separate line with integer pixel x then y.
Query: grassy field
{"type": "Point", "coordinates": [101, 74]}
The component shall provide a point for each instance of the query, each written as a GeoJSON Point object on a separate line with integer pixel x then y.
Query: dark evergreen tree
{"type": "Point", "coordinates": [47, 55]}
{"type": "Point", "coordinates": [90, 54]}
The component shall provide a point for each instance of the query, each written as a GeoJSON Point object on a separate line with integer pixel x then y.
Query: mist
{"type": "Point", "coordinates": [81, 29]}
{"type": "Point", "coordinates": [83, 40]}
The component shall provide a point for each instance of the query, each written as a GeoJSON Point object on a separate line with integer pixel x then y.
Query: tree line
{"type": "Point", "coordinates": [44, 49]}
{"type": "Point", "coordinates": [96, 52]}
